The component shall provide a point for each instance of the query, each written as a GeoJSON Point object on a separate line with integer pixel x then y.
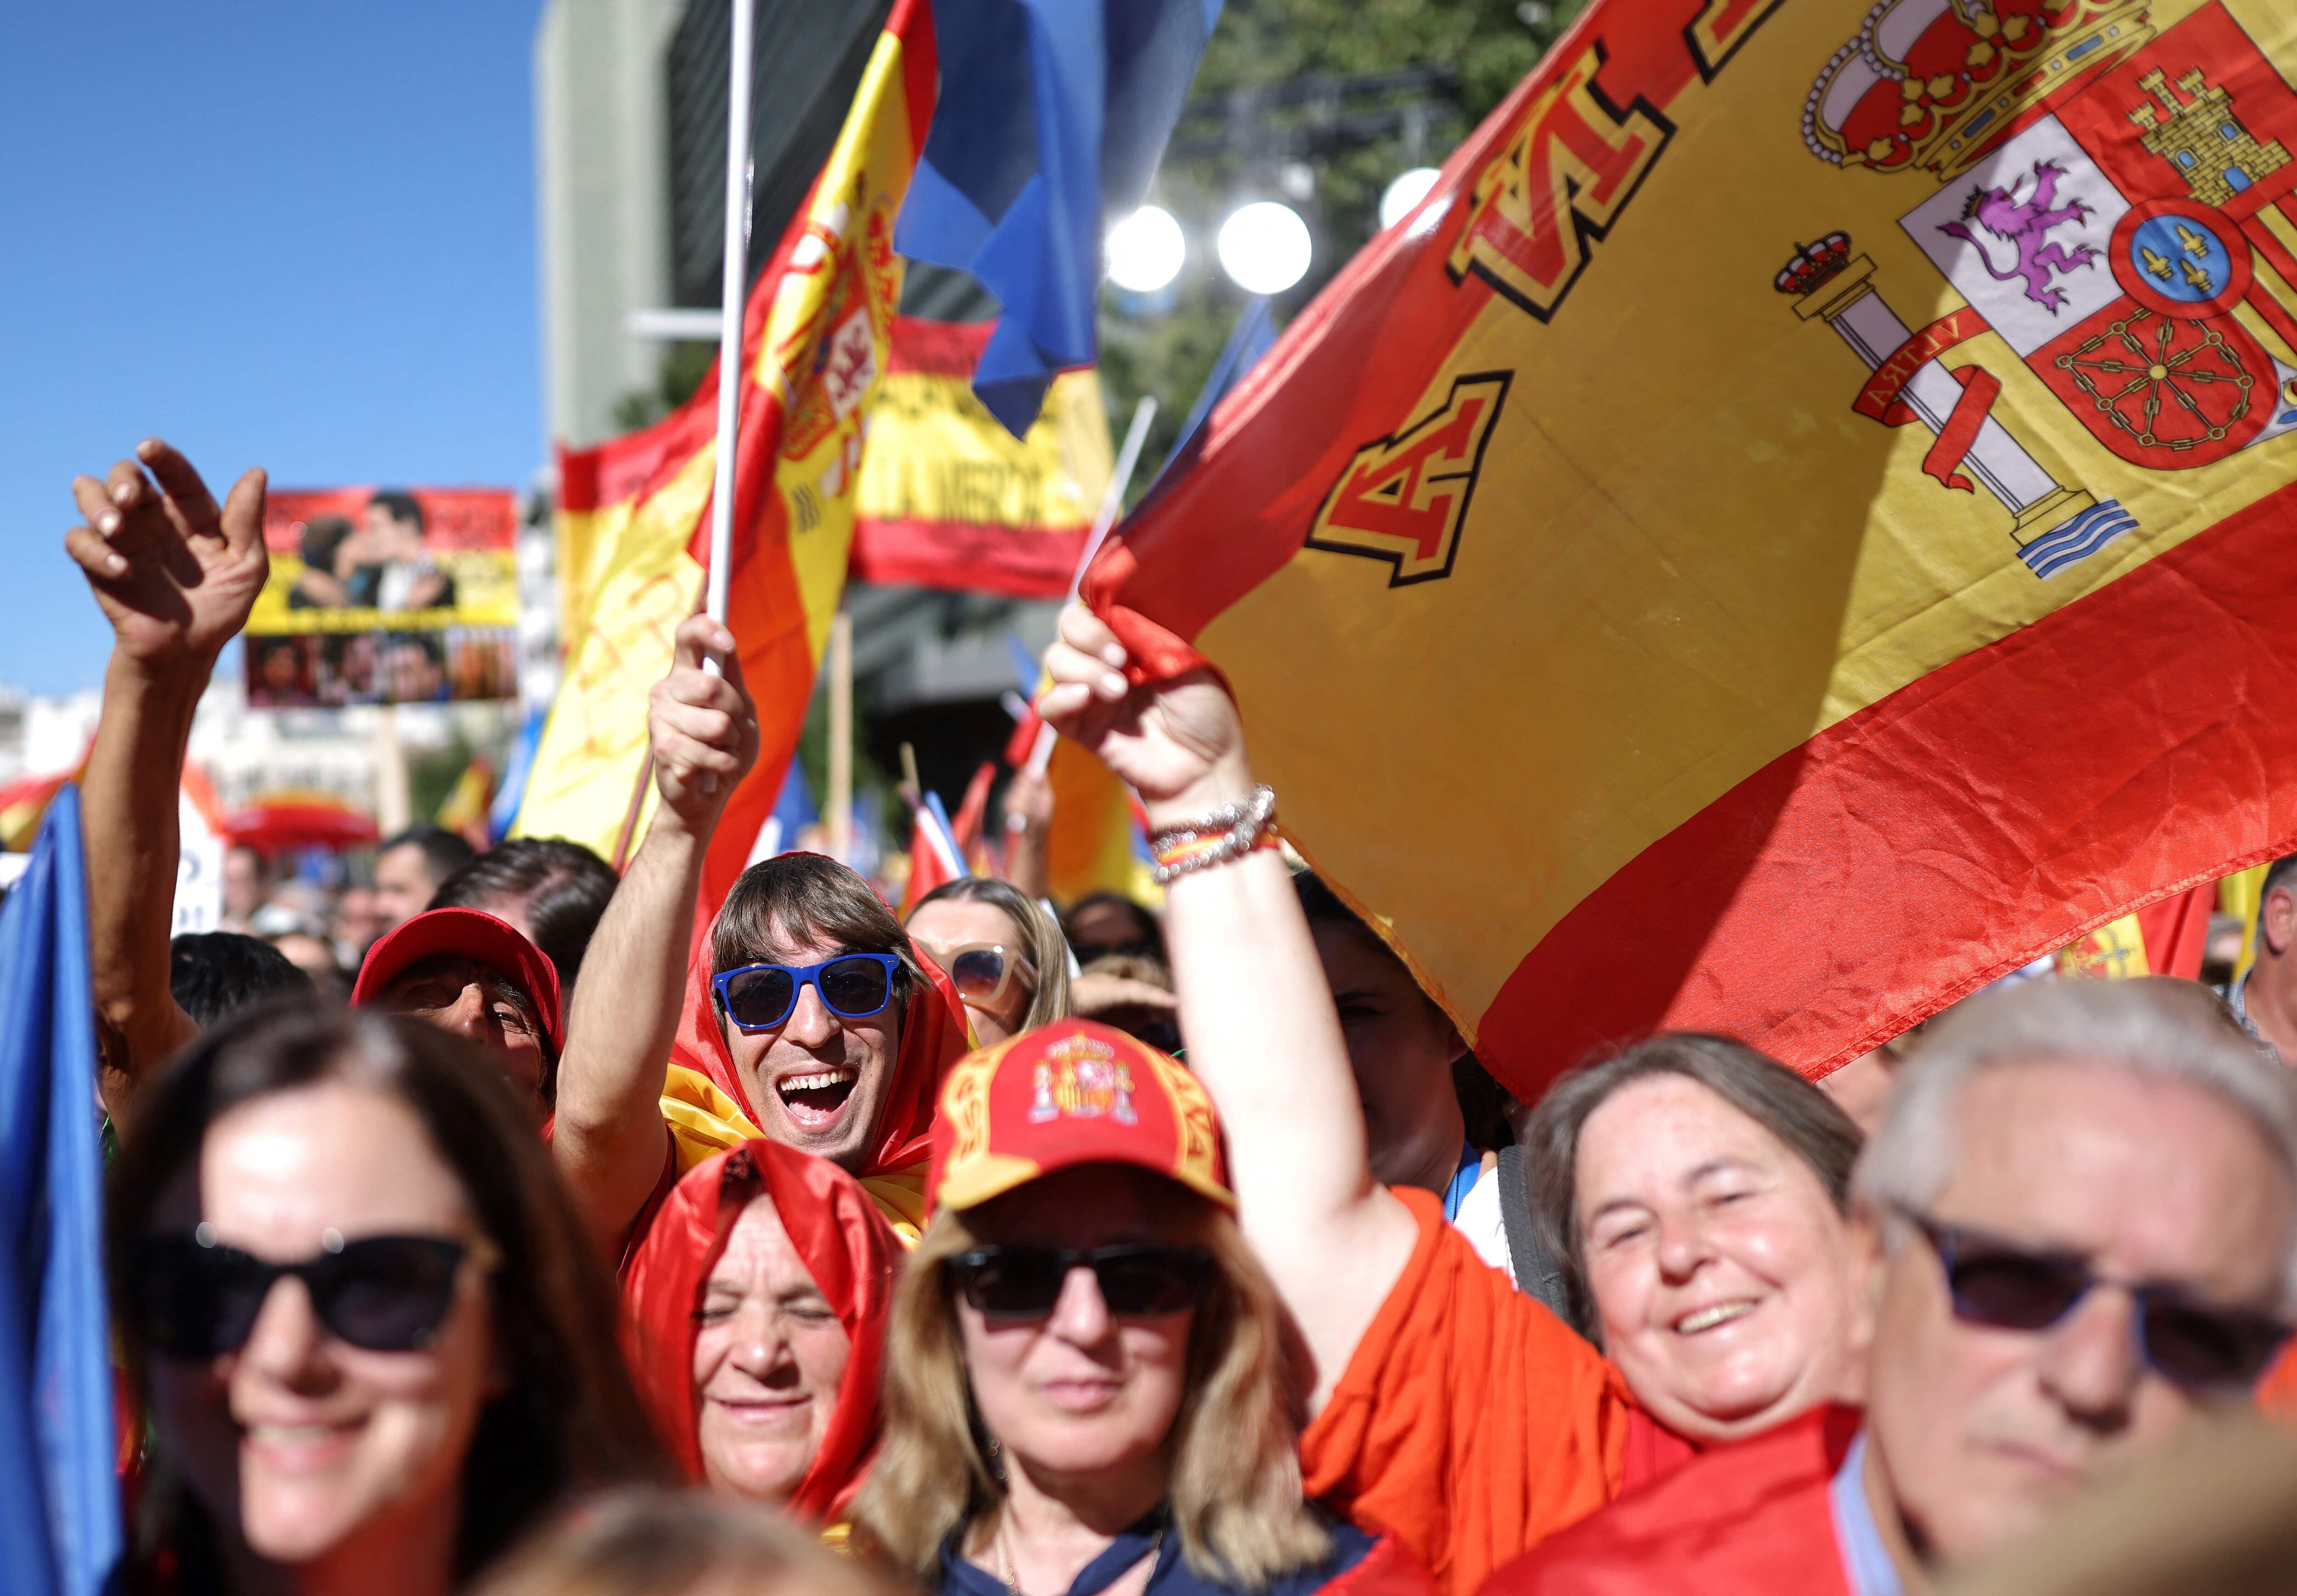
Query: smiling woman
{"type": "Point", "coordinates": [756, 1327]}
{"type": "Point", "coordinates": [1695, 1193]}
{"type": "Point", "coordinates": [1089, 1382]}
{"type": "Point", "coordinates": [367, 1332]}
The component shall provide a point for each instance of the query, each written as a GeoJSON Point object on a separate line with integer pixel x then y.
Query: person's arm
{"type": "Point", "coordinates": [609, 1142]}
{"type": "Point", "coordinates": [1262, 1032]}
{"type": "Point", "coordinates": [176, 575]}
{"type": "Point", "coordinates": [1028, 813]}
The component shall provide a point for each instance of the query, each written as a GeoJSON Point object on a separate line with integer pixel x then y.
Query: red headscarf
{"type": "Point", "coordinates": [850, 1250]}
{"type": "Point", "coordinates": [934, 1036]}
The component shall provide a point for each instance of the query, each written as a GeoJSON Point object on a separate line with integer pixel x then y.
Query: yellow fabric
{"type": "Point", "coordinates": [2243, 894]}
{"type": "Point", "coordinates": [1685, 554]}
{"type": "Point", "coordinates": [824, 351]}
{"type": "Point", "coordinates": [2114, 951]}
{"type": "Point", "coordinates": [705, 1122]}
{"type": "Point", "coordinates": [820, 352]}
{"type": "Point", "coordinates": [594, 746]}
{"type": "Point", "coordinates": [934, 453]}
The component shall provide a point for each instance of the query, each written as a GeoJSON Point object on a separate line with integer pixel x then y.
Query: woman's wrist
{"type": "Point", "coordinates": [1228, 781]}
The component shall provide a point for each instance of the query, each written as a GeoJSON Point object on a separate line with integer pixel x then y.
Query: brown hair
{"type": "Point", "coordinates": [1234, 1484]}
{"type": "Point", "coordinates": [1048, 948]}
{"type": "Point", "coordinates": [641, 1541]}
{"type": "Point", "coordinates": [569, 1419]}
{"type": "Point", "coordinates": [804, 897]}
{"type": "Point", "coordinates": [1774, 1097]}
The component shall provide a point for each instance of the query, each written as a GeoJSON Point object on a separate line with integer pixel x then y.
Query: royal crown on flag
{"type": "Point", "coordinates": [1932, 84]}
{"type": "Point", "coordinates": [1813, 263]}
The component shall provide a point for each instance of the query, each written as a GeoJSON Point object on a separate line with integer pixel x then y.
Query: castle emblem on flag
{"type": "Point", "coordinates": [1081, 1077]}
{"type": "Point", "coordinates": [2109, 210]}
{"type": "Point", "coordinates": [1403, 499]}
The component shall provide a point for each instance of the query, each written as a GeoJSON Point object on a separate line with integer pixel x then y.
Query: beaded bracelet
{"type": "Point", "coordinates": [1230, 832]}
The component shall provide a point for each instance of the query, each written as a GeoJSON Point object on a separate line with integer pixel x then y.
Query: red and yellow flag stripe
{"type": "Point", "coordinates": [634, 530]}
{"type": "Point", "coordinates": [1643, 636]}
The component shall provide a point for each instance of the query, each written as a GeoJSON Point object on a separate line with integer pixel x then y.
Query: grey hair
{"type": "Point", "coordinates": [2154, 1027]}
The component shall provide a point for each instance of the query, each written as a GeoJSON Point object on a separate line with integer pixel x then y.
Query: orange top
{"type": "Point", "coordinates": [1471, 1423]}
{"type": "Point", "coordinates": [2276, 1393]}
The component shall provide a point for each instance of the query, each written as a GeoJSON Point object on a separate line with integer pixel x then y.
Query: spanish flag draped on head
{"type": "Point", "coordinates": [846, 1245]}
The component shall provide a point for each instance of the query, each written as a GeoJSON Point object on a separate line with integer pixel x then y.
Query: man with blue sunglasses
{"type": "Point", "coordinates": [800, 1025]}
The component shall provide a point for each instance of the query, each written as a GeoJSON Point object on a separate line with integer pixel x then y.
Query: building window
{"type": "Point", "coordinates": [2235, 179]}
{"type": "Point", "coordinates": [2186, 159]}
{"type": "Point", "coordinates": [2228, 132]}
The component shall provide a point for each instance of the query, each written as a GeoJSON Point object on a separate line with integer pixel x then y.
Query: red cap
{"type": "Point", "coordinates": [1067, 1093]}
{"type": "Point", "coordinates": [465, 934]}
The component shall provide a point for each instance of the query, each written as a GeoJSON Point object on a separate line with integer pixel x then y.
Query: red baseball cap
{"type": "Point", "coordinates": [465, 934]}
{"type": "Point", "coordinates": [1067, 1093]}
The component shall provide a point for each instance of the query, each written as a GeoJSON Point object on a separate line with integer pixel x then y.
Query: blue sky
{"type": "Point", "coordinates": [299, 236]}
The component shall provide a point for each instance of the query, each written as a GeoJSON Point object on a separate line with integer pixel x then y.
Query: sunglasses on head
{"type": "Point", "coordinates": [196, 1298]}
{"type": "Point", "coordinates": [1136, 1281]}
{"type": "Point", "coordinates": [759, 997]}
{"type": "Point", "coordinates": [982, 971]}
{"type": "Point", "coordinates": [2195, 1345]}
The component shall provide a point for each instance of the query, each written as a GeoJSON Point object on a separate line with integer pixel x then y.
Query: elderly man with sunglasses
{"type": "Point", "coordinates": [2083, 1211]}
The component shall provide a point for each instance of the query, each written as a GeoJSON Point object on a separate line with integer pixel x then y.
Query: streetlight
{"type": "Point", "coordinates": [1396, 202]}
{"type": "Point", "coordinates": [1264, 247]}
{"type": "Point", "coordinates": [1146, 249]}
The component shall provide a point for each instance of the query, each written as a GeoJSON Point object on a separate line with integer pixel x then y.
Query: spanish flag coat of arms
{"type": "Point", "coordinates": [1798, 523]}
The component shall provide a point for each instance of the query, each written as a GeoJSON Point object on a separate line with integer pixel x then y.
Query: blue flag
{"type": "Point", "coordinates": [503, 814]}
{"type": "Point", "coordinates": [1051, 117]}
{"type": "Point", "coordinates": [60, 1532]}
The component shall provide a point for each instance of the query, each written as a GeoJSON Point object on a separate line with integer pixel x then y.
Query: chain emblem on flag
{"type": "Point", "coordinates": [1403, 499]}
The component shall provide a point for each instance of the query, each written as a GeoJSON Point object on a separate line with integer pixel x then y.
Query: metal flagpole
{"type": "Point", "coordinates": [1111, 502]}
{"type": "Point", "coordinates": [729, 317]}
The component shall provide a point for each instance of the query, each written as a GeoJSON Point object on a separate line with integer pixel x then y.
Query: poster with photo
{"type": "Point", "coordinates": [386, 596]}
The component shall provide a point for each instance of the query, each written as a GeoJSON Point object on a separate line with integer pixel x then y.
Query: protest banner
{"type": "Point", "coordinates": [949, 498]}
{"type": "Point", "coordinates": [1793, 526]}
{"type": "Point", "coordinates": [389, 596]}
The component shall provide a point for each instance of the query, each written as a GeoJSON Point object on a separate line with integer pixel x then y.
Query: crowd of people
{"type": "Point", "coordinates": [529, 1228]}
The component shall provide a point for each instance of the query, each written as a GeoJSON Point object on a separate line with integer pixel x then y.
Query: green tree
{"type": "Point", "coordinates": [1233, 146]}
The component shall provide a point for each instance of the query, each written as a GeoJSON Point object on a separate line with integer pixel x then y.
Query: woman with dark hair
{"type": "Point", "coordinates": [1090, 1383]}
{"type": "Point", "coordinates": [1001, 951]}
{"type": "Point", "coordinates": [1695, 1195]}
{"type": "Point", "coordinates": [370, 1336]}
{"type": "Point", "coordinates": [755, 1323]}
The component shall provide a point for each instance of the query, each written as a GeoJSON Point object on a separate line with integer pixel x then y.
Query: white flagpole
{"type": "Point", "coordinates": [1127, 458]}
{"type": "Point", "coordinates": [730, 320]}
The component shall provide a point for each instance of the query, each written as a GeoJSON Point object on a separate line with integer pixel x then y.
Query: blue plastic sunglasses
{"type": "Point", "coordinates": [759, 997]}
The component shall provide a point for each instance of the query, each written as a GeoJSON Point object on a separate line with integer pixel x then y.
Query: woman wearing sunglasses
{"type": "Point", "coordinates": [755, 1323]}
{"type": "Point", "coordinates": [1090, 1384]}
{"type": "Point", "coordinates": [371, 1339]}
{"type": "Point", "coordinates": [1002, 953]}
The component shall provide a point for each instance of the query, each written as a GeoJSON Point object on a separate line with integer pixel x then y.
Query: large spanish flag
{"type": "Point", "coordinates": [1796, 524]}
{"type": "Point", "coordinates": [635, 513]}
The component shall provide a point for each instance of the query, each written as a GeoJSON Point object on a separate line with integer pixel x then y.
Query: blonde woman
{"type": "Point", "coordinates": [1001, 951]}
{"type": "Point", "coordinates": [1089, 1385]}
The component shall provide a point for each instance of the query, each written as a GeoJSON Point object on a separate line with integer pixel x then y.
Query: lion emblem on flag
{"type": "Point", "coordinates": [2025, 224]}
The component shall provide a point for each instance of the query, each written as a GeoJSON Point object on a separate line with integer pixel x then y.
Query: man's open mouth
{"type": "Point", "coordinates": [814, 1101]}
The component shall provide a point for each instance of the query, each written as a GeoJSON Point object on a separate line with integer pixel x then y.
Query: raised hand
{"type": "Point", "coordinates": [175, 574]}
{"type": "Point", "coordinates": [1179, 743]}
{"type": "Point", "coordinates": [704, 726]}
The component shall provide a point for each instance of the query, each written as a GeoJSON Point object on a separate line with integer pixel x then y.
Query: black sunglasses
{"type": "Point", "coordinates": [194, 1299]}
{"type": "Point", "coordinates": [1136, 1281]}
{"type": "Point", "coordinates": [2198, 1346]}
